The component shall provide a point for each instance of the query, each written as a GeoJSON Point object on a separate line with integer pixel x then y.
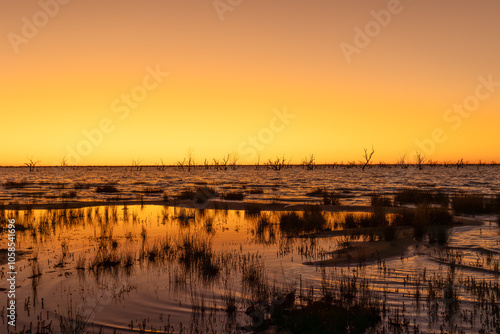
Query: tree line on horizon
{"type": "Point", "coordinates": [230, 161]}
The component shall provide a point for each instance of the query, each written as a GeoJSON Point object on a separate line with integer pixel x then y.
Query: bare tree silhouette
{"type": "Point", "coordinates": [402, 162]}
{"type": "Point", "coordinates": [278, 164]}
{"type": "Point", "coordinates": [161, 166]}
{"type": "Point", "coordinates": [136, 165]}
{"type": "Point", "coordinates": [368, 157]}
{"type": "Point", "coordinates": [32, 163]}
{"type": "Point", "coordinates": [420, 160]}
{"type": "Point", "coordinates": [309, 163]}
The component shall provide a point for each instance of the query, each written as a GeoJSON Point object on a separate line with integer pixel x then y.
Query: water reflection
{"type": "Point", "coordinates": [189, 270]}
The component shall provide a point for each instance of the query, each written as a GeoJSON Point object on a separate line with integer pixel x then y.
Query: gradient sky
{"type": "Point", "coordinates": [228, 77]}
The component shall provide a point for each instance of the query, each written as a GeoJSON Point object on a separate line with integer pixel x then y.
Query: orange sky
{"type": "Point", "coordinates": [68, 73]}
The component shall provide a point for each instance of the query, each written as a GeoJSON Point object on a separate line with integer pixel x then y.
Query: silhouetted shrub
{"type": "Point", "coordinates": [106, 189]}
{"type": "Point", "coordinates": [419, 196]}
{"type": "Point", "coordinates": [236, 196]}
{"type": "Point", "coordinates": [475, 203]}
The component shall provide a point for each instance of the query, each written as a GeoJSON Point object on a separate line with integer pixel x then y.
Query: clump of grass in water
{"type": "Point", "coordinates": [229, 299]}
{"type": "Point", "coordinates": [475, 203]}
{"type": "Point", "coordinates": [439, 234]}
{"type": "Point", "coordinates": [81, 185]}
{"type": "Point", "coordinates": [420, 196]}
{"type": "Point", "coordinates": [346, 305]}
{"type": "Point", "coordinates": [64, 253]}
{"type": "Point", "coordinates": [331, 198]}
{"type": "Point", "coordinates": [69, 194]}
{"type": "Point", "coordinates": [80, 263]}
{"type": "Point", "coordinates": [375, 219]}
{"type": "Point", "coordinates": [264, 231]}
{"type": "Point", "coordinates": [424, 217]}
{"type": "Point", "coordinates": [253, 209]}
{"type": "Point", "coordinates": [234, 196]}
{"type": "Point", "coordinates": [186, 194]}
{"type": "Point", "coordinates": [144, 233]}
{"type": "Point", "coordinates": [380, 200]}
{"type": "Point", "coordinates": [312, 220]}
{"type": "Point", "coordinates": [254, 280]}
{"type": "Point", "coordinates": [72, 323]}
{"type": "Point", "coordinates": [108, 188]}
{"type": "Point", "coordinates": [14, 184]}
{"type": "Point", "coordinates": [255, 191]}
{"type": "Point", "coordinates": [389, 232]}
{"type": "Point", "coordinates": [196, 254]}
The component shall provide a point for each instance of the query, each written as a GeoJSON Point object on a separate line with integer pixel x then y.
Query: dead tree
{"type": "Point", "coordinates": [136, 165]}
{"type": "Point", "coordinates": [402, 163]}
{"type": "Point", "coordinates": [420, 160]}
{"type": "Point", "coordinates": [309, 163]}
{"type": "Point", "coordinates": [190, 159]}
{"type": "Point", "coordinates": [368, 157]}
{"type": "Point", "coordinates": [32, 164]}
{"type": "Point", "coordinates": [278, 164]}
{"type": "Point", "coordinates": [162, 166]}
{"type": "Point", "coordinates": [234, 161]}
{"type": "Point", "coordinates": [181, 163]}
{"type": "Point", "coordinates": [216, 164]}
{"type": "Point", "coordinates": [225, 161]}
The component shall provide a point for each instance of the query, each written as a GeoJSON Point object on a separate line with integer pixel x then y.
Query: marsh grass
{"type": "Point", "coordinates": [318, 192]}
{"type": "Point", "coordinates": [64, 253]}
{"type": "Point", "coordinates": [345, 305]}
{"type": "Point", "coordinates": [253, 209]}
{"type": "Point", "coordinates": [230, 306]}
{"type": "Point", "coordinates": [380, 200]}
{"type": "Point", "coordinates": [439, 234]}
{"type": "Point", "coordinates": [107, 188]}
{"type": "Point", "coordinates": [80, 262]}
{"type": "Point", "coordinates": [233, 196]}
{"type": "Point", "coordinates": [255, 191]}
{"type": "Point", "coordinates": [81, 185]}
{"type": "Point", "coordinates": [186, 195]}
{"type": "Point", "coordinates": [72, 323]}
{"type": "Point", "coordinates": [151, 190]}
{"type": "Point", "coordinates": [105, 259]}
{"type": "Point", "coordinates": [312, 220]}
{"type": "Point", "coordinates": [195, 254]}
{"type": "Point", "coordinates": [69, 194]}
{"type": "Point", "coordinates": [463, 203]}
{"type": "Point", "coordinates": [425, 217]}
{"type": "Point", "coordinates": [15, 184]}
{"type": "Point", "coordinates": [346, 302]}
{"type": "Point", "coordinates": [421, 196]}
{"type": "Point", "coordinates": [265, 232]}
{"type": "Point", "coordinates": [331, 198]}
{"type": "Point", "coordinates": [377, 218]}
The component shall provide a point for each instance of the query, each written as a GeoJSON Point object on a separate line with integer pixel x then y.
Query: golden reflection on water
{"type": "Point", "coordinates": [154, 266]}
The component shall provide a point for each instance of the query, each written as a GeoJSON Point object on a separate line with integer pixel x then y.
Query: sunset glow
{"type": "Point", "coordinates": [103, 83]}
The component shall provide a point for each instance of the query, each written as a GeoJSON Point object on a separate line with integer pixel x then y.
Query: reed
{"type": "Point", "coordinates": [463, 203]}
{"type": "Point", "coordinates": [421, 196]}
